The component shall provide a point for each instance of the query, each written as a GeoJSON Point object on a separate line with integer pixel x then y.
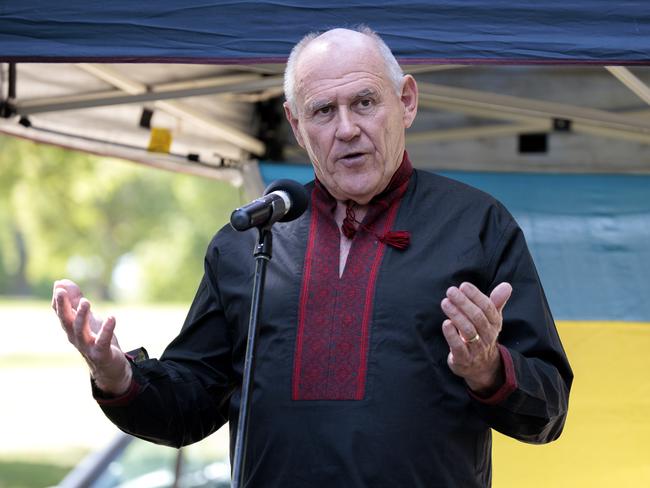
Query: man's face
{"type": "Point", "coordinates": [349, 117]}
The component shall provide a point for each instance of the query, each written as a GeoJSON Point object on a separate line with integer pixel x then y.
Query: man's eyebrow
{"type": "Point", "coordinates": [317, 105]}
{"type": "Point", "coordinates": [367, 92]}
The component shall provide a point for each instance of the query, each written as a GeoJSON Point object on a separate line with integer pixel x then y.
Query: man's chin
{"type": "Point", "coordinates": [361, 195]}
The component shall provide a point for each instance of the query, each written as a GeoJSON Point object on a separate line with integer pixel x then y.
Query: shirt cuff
{"type": "Point", "coordinates": [509, 385]}
{"type": "Point", "coordinates": [125, 398]}
{"type": "Point", "coordinates": [122, 400]}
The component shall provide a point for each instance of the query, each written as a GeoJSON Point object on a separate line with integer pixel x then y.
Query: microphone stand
{"type": "Point", "coordinates": [262, 254]}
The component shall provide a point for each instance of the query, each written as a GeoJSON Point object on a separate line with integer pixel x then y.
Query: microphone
{"type": "Point", "coordinates": [284, 200]}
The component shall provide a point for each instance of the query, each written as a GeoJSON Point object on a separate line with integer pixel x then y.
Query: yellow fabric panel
{"type": "Point", "coordinates": [606, 439]}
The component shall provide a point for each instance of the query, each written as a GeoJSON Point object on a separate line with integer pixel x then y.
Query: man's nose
{"type": "Point", "coordinates": [346, 128]}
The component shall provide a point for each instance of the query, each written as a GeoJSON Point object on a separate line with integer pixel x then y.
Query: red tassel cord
{"type": "Point", "coordinates": [398, 239]}
{"type": "Point", "coordinates": [348, 228]}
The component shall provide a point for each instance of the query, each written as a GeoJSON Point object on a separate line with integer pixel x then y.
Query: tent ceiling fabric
{"type": "Point", "coordinates": [225, 113]}
{"type": "Point", "coordinates": [236, 31]}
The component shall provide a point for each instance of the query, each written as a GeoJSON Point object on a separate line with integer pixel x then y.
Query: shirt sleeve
{"type": "Point", "coordinates": [532, 404]}
{"type": "Point", "coordinates": [184, 396]}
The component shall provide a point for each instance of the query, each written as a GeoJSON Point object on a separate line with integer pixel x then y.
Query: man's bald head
{"type": "Point", "coordinates": [337, 42]}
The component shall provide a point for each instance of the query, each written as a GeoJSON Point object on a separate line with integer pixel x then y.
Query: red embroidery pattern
{"type": "Point", "coordinates": [334, 317]}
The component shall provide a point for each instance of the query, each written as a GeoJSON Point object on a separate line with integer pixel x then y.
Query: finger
{"type": "Point", "coordinates": [482, 301]}
{"type": "Point", "coordinates": [63, 309]}
{"type": "Point", "coordinates": [471, 310]}
{"type": "Point", "coordinates": [73, 290]}
{"type": "Point", "coordinates": [81, 327]}
{"type": "Point", "coordinates": [105, 335]}
{"type": "Point", "coordinates": [54, 287]}
{"type": "Point", "coordinates": [457, 348]}
{"type": "Point", "coordinates": [467, 326]}
{"type": "Point", "coordinates": [500, 295]}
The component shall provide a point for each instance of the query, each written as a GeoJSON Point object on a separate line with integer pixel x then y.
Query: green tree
{"type": "Point", "coordinates": [66, 213]}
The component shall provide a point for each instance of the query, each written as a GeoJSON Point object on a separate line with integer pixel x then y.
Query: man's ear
{"type": "Point", "coordinates": [409, 98]}
{"type": "Point", "coordinates": [294, 124]}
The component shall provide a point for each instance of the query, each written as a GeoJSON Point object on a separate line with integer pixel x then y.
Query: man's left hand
{"type": "Point", "coordinates": [471, 331]}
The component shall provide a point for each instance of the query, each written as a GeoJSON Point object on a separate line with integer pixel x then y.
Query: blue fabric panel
{"type": "Point", "coordinates": [235, 31]}
{"type": "Point", "coordinates": [589, 236]}
{"type": "Point", "coordinates": [299, 172]}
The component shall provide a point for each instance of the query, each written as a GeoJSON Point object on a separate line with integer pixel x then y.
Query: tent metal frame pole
{"type": "Point", "coordinates": [7, 105]}
{"type": "Point", "coordinates": [481, 131]}
{"type": "Point", "coordinates": [11, 86]}
{"type": "Point", "coordinates": [170, 162]}
{"type": "Point", "coordinates": [252, 182]}
{"type": "Point", "coordinates": [221, 130]}
{"type": "Point", "coordinates": [631, 81]}
{"type": "Point", "coordinates": [242, 84]}
{"type": "Point", "coordinates": [505, 107]}
{"type": "Point", "coordinates": [139, 88]}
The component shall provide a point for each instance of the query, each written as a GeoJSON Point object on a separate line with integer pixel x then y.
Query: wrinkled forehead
{"type": "Point", "coordinates": [334, 59]}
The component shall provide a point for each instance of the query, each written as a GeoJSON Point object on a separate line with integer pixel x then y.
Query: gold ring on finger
{"type": "Point", "coordinates": [476, 338]}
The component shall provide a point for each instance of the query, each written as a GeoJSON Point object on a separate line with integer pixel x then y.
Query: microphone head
{"type": "Point", "coordinates": [240, 220]}
{"type": "Point", "coordinates": [297, 194]}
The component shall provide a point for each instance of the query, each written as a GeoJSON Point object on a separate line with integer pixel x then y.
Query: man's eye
{"type": "Point", "coordinates": [324, 110]}
{"type": "Point", "coordinates": [365, 103]}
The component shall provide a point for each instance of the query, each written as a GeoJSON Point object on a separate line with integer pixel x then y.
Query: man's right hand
{"type": "Point", "coordinates": [93, 338]}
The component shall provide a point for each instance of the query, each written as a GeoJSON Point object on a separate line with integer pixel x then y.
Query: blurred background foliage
{"type": "Point", "coordinates": [125, 232]}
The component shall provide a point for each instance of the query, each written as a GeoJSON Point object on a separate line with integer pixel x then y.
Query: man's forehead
{"type": "Point", "coordinates": [334, 50]}
{"type": "Point", "coordinates": [342, 69]}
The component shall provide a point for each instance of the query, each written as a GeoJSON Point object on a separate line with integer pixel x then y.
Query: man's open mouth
{"type": "Point", "coordinates": [352, 155]}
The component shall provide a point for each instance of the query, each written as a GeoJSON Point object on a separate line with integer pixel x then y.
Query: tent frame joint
{"type": "Point", "coordinates": [7, 107]}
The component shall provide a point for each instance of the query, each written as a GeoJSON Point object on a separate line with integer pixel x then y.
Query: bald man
{"type": "Point", "coordinates": [403, 317]}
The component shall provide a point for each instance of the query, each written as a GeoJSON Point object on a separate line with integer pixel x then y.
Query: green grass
{"type": "Point", "coordinates": [38, 469]}
{"type": "Point", "coordinates": [26, 474]}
